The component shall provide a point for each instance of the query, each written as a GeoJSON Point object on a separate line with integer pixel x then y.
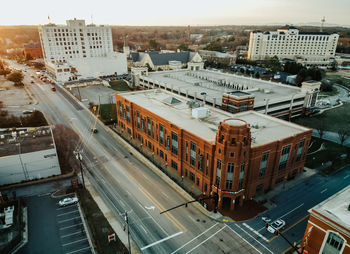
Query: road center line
{"type": "Point", "coordinates": [162, 240]}
{"type": "Point", "coordinates": [292, 210]}
{"type": "Point", "coordinates": [206, 240]}
{"type": "Point", "coordinates": [195, 237]}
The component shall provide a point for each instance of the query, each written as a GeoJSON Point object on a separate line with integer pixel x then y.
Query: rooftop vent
{"type": "Point", "coordinates": [193, 104]}
{"type": "Point", "coordinates": [171, 101]}
{"type": "Point", "coordinates": [200, 112]}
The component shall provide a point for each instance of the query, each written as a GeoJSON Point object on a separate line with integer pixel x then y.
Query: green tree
{"type": "Point", "coordinates": [16, 77]}
{"type": "Point", "coordinates": [274, 64]}
{"type": "Point", "coordinates": [214, 46]}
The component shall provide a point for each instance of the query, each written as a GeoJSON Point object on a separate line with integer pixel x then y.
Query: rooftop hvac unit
{"type": "Point", "coordinates": [200, 112]}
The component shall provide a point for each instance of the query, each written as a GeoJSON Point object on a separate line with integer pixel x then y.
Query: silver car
{"type": "Point", "coordinates": [68, 201]}
{"type": "Point", "coordinates": [276, 225]}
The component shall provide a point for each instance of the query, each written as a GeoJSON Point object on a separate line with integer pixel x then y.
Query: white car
{"type": "Point", "coordinates": [276, 225]}
{"type": "Point", "coordinates": [68, 201]}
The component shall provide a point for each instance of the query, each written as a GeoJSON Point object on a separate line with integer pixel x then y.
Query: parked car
{"type": "Point", "coordinates": [276, 225]}
{"type": "Point", "coordinates": [68, 201]}
{"type": "Point", "coordinates": [27, 112]}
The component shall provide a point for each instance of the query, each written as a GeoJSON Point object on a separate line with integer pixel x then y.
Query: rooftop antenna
{"type": "Point", "coordinates": [322, 23]}
{"type": "Point", "coordinates": [48, 17]}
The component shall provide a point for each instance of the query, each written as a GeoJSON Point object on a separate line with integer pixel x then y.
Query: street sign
{"type": "Point", "coordinates": [111, 237]}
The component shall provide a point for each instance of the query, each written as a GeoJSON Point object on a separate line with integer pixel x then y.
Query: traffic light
{"type": "Point", "coordinates": [277, 232]}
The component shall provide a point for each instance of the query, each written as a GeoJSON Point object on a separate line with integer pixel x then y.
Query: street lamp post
{"type": "Point", "coordinates": [80, 158]}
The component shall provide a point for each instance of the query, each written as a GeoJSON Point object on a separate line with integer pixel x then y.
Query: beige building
{"type": "Point", "coordinates": [308, 48]}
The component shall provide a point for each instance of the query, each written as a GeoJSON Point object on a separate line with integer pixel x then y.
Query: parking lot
{"type": "Point", "coordinates": [54, 229]}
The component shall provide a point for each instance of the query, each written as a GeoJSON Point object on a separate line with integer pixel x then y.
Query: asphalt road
{"type": "Point", "coordinates": [128, 185]}
{"type": "Point", "coordinates": [291, 206]}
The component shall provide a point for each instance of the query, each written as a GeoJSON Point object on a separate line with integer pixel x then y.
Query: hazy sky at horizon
{"type": "Point", "coordinates": [180, 12]}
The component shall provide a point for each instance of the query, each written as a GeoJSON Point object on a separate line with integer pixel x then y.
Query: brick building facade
{"type": "Point", "coordinates": [33, 50]}
{"type": "Point", "coordinates": [328, 228]}
{"type": "Point", "coordinates": [218, 151]}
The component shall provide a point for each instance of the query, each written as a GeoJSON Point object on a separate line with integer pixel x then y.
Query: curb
{"type": "Point", "coordinates": [144, 160]}
{"type": "Point", "coordinates": [87, 229]}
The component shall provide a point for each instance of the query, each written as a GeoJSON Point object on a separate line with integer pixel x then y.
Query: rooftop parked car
{"type": "Point", "coordinates": [276, 225]}
{"type": "Point", "coordinates": [68, 201]}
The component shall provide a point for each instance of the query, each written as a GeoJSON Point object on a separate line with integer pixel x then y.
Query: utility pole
{"type": "Point", "coordinates": [80, 158]}
{"type": "Point", "coordinates": [126, 226]}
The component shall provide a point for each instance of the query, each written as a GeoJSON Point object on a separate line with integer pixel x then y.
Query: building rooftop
{"type": "Point", "coordinates": [32, 46]}
{"type": "Point", "coordinates": [214, 84]}
{"type": "Point", "coordinates": [159, 58]}
{"type": "Point", "coordinates": [264, 128]}
{"type": "Point", "coordinates": [25, 140]}
{"type": "Point", "coordinates": [336, 207]}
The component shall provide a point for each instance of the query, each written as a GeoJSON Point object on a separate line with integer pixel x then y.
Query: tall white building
{"type": "Point", "coordinates": [78, 51]}
{"type": "Point", "coordinates": [308, 48]}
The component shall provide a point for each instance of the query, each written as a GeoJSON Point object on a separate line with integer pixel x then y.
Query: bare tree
{"type": "Point", "coordinates": [343, 135]}
{"type": "Point", "coordinates": [321, 129]}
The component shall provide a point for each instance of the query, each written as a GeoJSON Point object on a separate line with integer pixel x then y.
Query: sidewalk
{"type": "Point", "coordinates": [284, 187]}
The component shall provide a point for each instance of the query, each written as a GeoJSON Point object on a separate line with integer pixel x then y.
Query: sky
{"type": "Point", "coordinates": [173, 13]}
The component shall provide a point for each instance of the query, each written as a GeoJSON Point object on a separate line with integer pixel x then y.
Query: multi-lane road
{"type": "Point", "coordinates": [125, 184]}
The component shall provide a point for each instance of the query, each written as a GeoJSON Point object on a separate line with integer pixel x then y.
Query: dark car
{"type": "Point", "coordinates": [94, 130]}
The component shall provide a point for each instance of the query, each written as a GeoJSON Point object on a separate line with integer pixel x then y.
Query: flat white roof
{"type": "Point", "coordinates": [262, 90]}
{"type": "Point", "coordinates": [264, 128]}
{"type": "Point", "coordinates": [336, 207]}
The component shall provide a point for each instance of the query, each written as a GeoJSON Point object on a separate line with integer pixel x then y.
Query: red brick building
{"type": "Point", "coordinates": [34, 50]}
{"type": "Point", "coordinates": [328, 228]}
{"type": "Point", "coordinates": [237, 155]}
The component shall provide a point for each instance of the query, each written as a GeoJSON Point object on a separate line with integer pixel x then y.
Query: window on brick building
{"type": "Point", "coordinates": [173, 164]}
{"type": "Point", "coordinates": [138, 119]}
{"type": "Point", "coordinates": [259, 188]}
{"type": "Point", "coordinates": [120, 108]}
{"type": "Point", "coordinates": [333, 244]}
{"type": "Point", "coordinates": [263, 164]}
{"type": "Point", "coordinates": [218, 172]}
{"type": "Point", "coordinates": [193, 154]}
{"type": "Point", "coordinates": [192, 177]}
{"type": "Point", "coordinates": [241, 176]}
{"type": "Point", "coordinates": [197, 181]}
{"type": "Point", "coordinates": [207, 165]}
{"type": "Point", "coordinates": [284, 157]}
{"type": "Point", "coordinates": [174, 144]}
{"type": "Point", "coordinates": [205, 187]}
{"type": "Point", "coordinates": [228, 184]}
{"type": "Point", "coordinates": [300, 149]}
{"type": "Point", "coordinates": [186, 151]}
{"type": "Point", "coordinates": [161, 154]}
{"type": "Point", "coordinates": [149, 126]}
{"type": "Point", "coordinates": [161, 134]}
{"type": "Point", "coordinates": [128, 114]}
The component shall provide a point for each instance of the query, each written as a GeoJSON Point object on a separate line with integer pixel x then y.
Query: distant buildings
{"type": "Point", "coordinates": [165, 61]}
{"type": "Point", "coordinates": [231, 92]}
{"type": "Point", "coordinates": [239, 156]}
{"type": "Point", "coordinates": [308, 48]}
{"type": "Point", "coordinates": [328, 228]}
{"type": "Point", "coordinates": [33, 51]}
{"type": "Point", "coordinates": [218, 57]}
{"type": "Point", "coordinates": [78, 51]}
{"type": "Point", "coordinates": [27, 154]}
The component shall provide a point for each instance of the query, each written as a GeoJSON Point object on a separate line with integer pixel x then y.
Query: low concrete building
{"type": "Point", "coordinates": [230, 92]}
{"type": "Point", "coordinates": [27, 154]}
{"type": "Point", "coordinates": [328, 228]}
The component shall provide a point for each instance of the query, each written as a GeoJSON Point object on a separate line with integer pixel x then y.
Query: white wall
{"type": "Point", "coordinates": [38, 164]}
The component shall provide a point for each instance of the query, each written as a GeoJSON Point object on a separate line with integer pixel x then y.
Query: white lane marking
{"type": "Point", "coordinates": [71, 226]}
{"type": "Point", "coordinates": [292, 210]}
{"type": "Point", "coordinates": [150, 207]}
{"type": "Point", "coordinates": [78, 250]}
{"type": "Point", "coordinates": [143, 229]}
{"type": "Point", "coordinates": [255, 232]}
{"type": "Point", "coordinates": [65, 207]}
{"type": "Point", "coordinates": [195, 238]}
{"type": "Point", "coordinates": [346, 176]}
{"type": "Point", "coordinates": [78, 232]}
{"type": "Point", "coordinates": [62, 214]}
{"type": "Point", "coordinates": [206, 240]}
{"type": "Point", "coordinates": [243, 239]}
{"type": "Point", "coordinates": [153, 219]}
{"type": "Point", "coordinates": [254, 239]}
{"type": "Point", "coordinates": [324, 190]}
{"type": "Point", "coordinates": [61, 221]}
{"type": "Point", "coordinates": [162, 240]}
{"type": "Point", "coordinates": [84, 239]}
{"type": "Point", "coordinates": [165, 194]}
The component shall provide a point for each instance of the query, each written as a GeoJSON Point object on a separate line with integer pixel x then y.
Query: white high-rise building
{"type": "Point", "coordinates": [308, 48]}
{"type": "Point", "coordinates": [78, 51]}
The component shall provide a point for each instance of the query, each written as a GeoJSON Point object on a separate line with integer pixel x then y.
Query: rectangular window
{"type": "Point", "coordinates": [193, 154]}
{"type": "Point", "coordinates": [120, 108]}
{"type": "Point", "coordinates": [128, 114]}
{"type": "Point", "coordinates": [218, 172]}
{"type": "Point", "coordinates": [259, 188]}
{"type": "Point", "coordinates": [230, 167]}
{"type": "Point", "coordinates": [138, 120]}
{"type": "Point", "coordinates": [161, 134]}
{"type": "Point", "coordinates": [263, 164]}
{"type": "Point", "coordinates": [161, 154]}
{"type": "Point", "coordinates": [200, 158]}
{"type": "Point", "coordinates": [174, 144]}
{"type": "Point", "coordinates": [186, 151]}
{"type": "Point", "coordinates": [197, 181]}
{"type": "Point", "coordinates": [192, 177]}
{"type": "Point", "coordinates": [284, 157]}
{"type": "Point", "coordinates": [149, 126]}
{"type": "Point", "coordinates": [228, 184]}
{"type": "Point", "coordinates": [207, 165]}
{"type": "Point", "coordinates": [241, 176]}
{"type": "Point", "coordinates": [300, 149]}
{"type": "Point", "coordinates": [173, 164]}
